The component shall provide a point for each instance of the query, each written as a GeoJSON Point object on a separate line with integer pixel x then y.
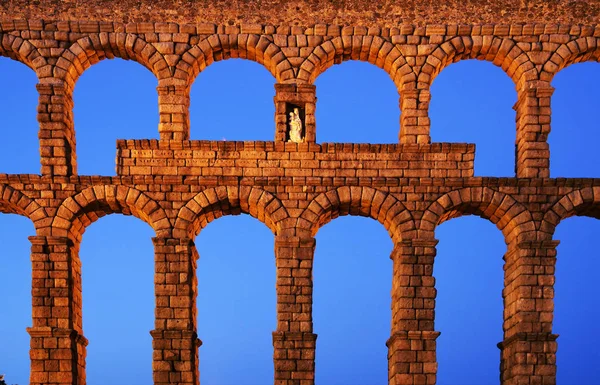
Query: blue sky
{"type": "Point", "coordinates": [471, 102]}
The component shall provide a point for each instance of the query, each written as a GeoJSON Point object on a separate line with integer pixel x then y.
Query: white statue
{"type": "Point", "coordinates": [295, 127]}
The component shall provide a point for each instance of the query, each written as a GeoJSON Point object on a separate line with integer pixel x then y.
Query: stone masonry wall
{"type": "Point", "coordinates": [308, 12]}
{"type": "Point", "coordinates": [531, 54]}
{"type": "Point", "coordinates": [178, 186]}
{"type": "Point", "coordinates": [309, 160]}
{"type": "Point", "coordinates": [178, 207]}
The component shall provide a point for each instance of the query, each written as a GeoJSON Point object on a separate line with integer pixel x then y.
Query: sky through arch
{"type": "Point", "coordinates": [113, 99]}
{"type": "Point", "coordinates": [469, 281]}
{"type": "Point", "coordinates": [357, 102]}
{"type": "Point", "coordinates": [575, 133]}
{"type": "Point", "coordinates": [19, 147]}
{"type": "Point", "coordinates": [471, 102]}
{"type": "Point", "coordinates": [577, 264]}
{"type": "Point", "coordinates": [15, 300]}
{"type": "Point", "coordinates": [236, 301]}
{"type": "Point", "coordinates": [352, 281]}
{"type": "Point", "coordinates": [233, 100]}
{"type": "Point", "coordinates": [117, 277]}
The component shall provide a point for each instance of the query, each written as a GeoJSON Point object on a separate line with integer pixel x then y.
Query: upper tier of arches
{"type": "Point", "coordinates": [412, 57]}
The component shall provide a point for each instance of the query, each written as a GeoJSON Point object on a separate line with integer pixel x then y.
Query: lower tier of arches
{"type": "Point", "coordinates": [178, 209]}
{"type": "Point", "coordinates": [58, 344]}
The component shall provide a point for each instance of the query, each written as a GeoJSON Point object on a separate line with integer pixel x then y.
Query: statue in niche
{"type": "Point", "coordinates": [295, 127]}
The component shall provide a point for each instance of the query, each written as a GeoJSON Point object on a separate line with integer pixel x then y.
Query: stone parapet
{"type": "Point", "coordinates": [273, 159]}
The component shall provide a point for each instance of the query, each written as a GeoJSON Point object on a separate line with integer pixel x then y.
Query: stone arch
{"type": "Point", "coordinates": [371, 49]}
{"type": "Point", "coordinates": [575, 51]}
{"type": "Point", "coordinates": [510, 216]}
{"type": "Point", "coordinates": [580, 202]}
{"type": "Point", "coordinates": [257, 48]}
{"type": "Point", "coordinates": [21, 50]}
{"type": "Point", "coordinates": [502, 52]}
{"type": "Point", "coordinates": [93, 48]}
{"type": "Point", "coordinates": [216, 202]}
{"type": "Point", "coordinates": [13, 201]}
{"type": "Point", "coordinates": [79, 211]}
{"type": "Point", "coordinates": [360, 201]}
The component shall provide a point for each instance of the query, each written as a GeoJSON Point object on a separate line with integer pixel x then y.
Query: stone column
{"type": "Point", "coordinates": [414, 116]}
{"type": "Point", "coordinates": [58, 347]}
{"type": "Point", "coordinates": [288, 97]}
{"type": "Point", "coordinates": [175, 341]}
{"type": "Point", "coordinates": [412, 345]}
{"type": "Point", "coordinates": [294, 341]}
{"type": "Point", "coordinates": [533, 127]}
{"type": "Point", "coordinates": [528, 352]}
{"type": "Point", "coordinates": [57, 134]}
{"type": "Point", "coordinates": [173, 109]}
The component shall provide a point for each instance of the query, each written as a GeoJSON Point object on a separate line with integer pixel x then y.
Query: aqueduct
{"type": "Point", "coordinates": [295, 188]}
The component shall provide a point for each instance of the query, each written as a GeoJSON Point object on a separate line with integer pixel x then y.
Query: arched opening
{"type": "Point", "coordinates": [471, 102]}
{"type": "Point", "coordinates": [233, 100]}
{"type": "Point", "coordinates": [15, 302]}
{"type": "Point", "coordinates": [19, 148]}
{"type": "Point", "coordinates": [117, 262]}
{"type": "Point", "coordinates": [236, 301]}
{"type": "Point", "coordinates": [575, 128]}
{"type": "Point", "coordinates": [576, 301]}
{"type": "Point", "coordinates": [469, 281]}
{"type": "Point", "coordinates": [357, 102]}
{"type": "Point", "coordinates": [352, 283]}
{"type": "Point", "coordinates": [114, 99]}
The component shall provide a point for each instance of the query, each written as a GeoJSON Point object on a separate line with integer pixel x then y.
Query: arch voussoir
{"type": "Point", "coordinates": [213, 203]}
{"type": "Point", "coordinates": [359, 201]}
{"type": "Point", "coordinates": [509, 216]}
{"type": "Point", "coordinates": [371, 49]}
{"type": "Point", "coordinates": [19, 49]}
{"type": "Point", "coordinates": [502, 52]}
{"type": "Point", "coordinates": [258, 48]}
{"type": "Point", "coordinates": [13, 201]}
{"type": "Point", "coordinates": [93, 48]}
{"type": "Point", "coordinates": [580, 202]}
{"type": "Point", "coordinates": [575, 51]}
{"type": "Point", "coordinates": [79, 211]}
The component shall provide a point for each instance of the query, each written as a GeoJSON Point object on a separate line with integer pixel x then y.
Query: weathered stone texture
{"type": "Point", "coordinates": [178, 186]}
{"type": "Point", "coordinates": [306, 12]}
{"type": "Point", "coordinates": [318, 164]}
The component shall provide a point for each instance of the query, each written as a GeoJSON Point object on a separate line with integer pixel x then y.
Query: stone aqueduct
{"type": "Point", "coordinates": [178, 186]}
